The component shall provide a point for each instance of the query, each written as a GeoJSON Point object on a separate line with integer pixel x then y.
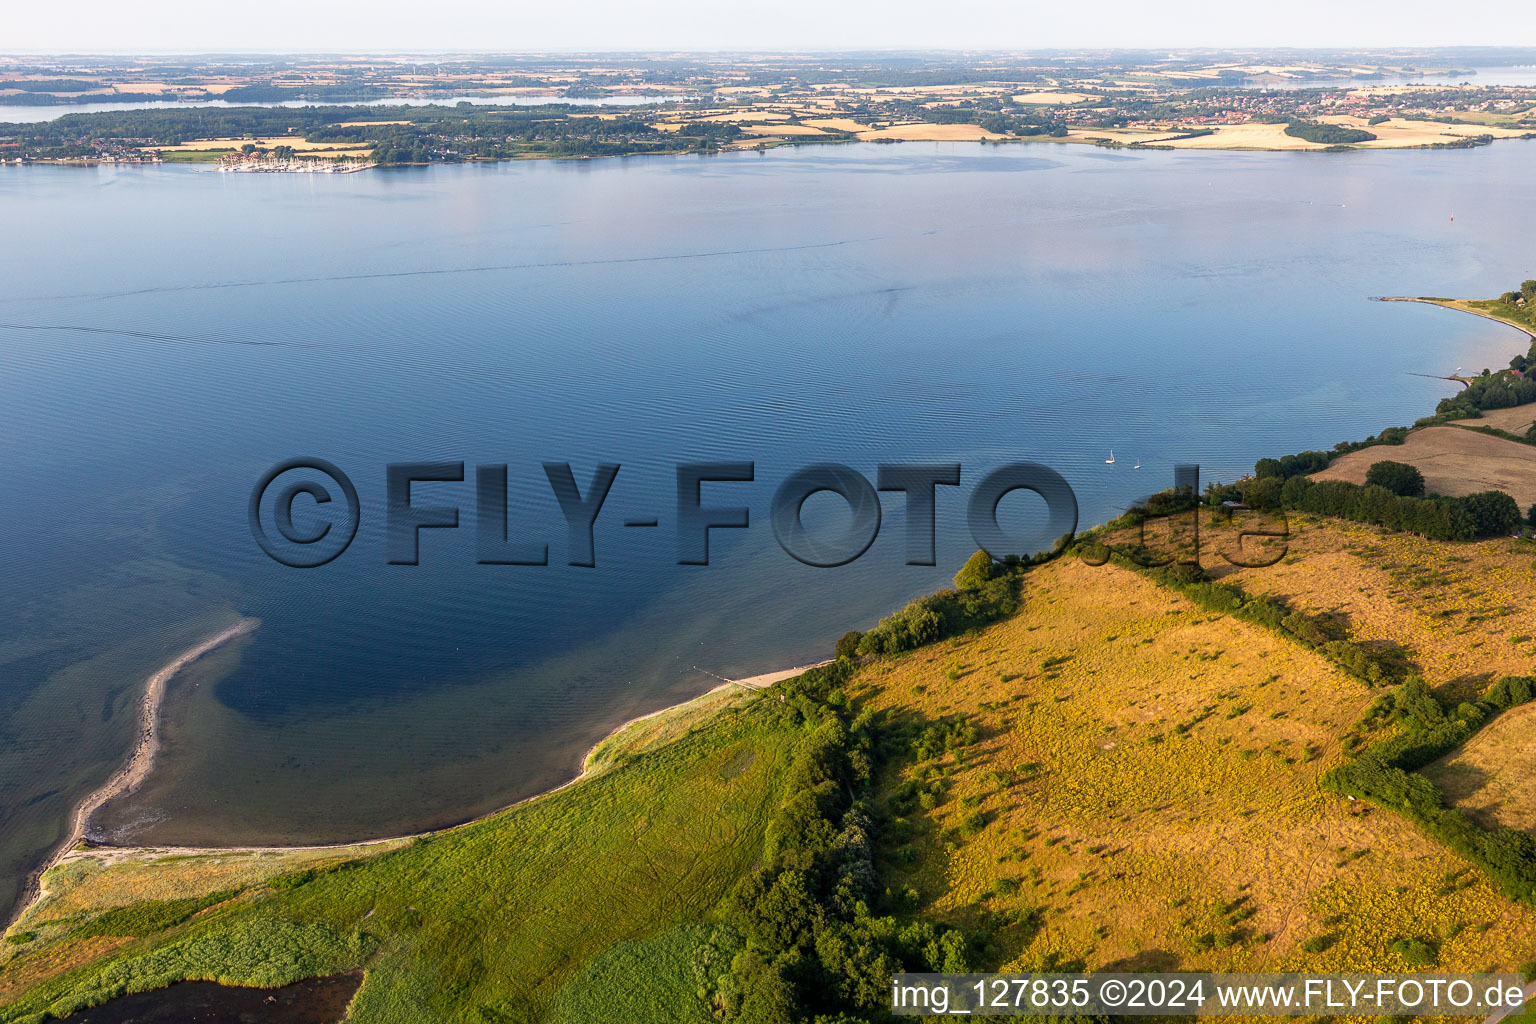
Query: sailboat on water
{"type": "Point", "coordinates": [1138, 464]}
{"type": "Point", "coordinates": [1111, 460]}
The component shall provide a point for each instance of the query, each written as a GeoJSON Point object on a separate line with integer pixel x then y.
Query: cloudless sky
{"type": "Point", "coordinates": [381, 26]}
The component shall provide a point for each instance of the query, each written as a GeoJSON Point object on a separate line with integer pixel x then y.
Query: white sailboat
{"type": "Point", "coordinates": [1138, 464]}
{"type": "Point", "coordinates": [1111, 460]}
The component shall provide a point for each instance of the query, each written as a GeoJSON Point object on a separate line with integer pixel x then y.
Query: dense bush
{"type": "Point", "coordinates": [1398, 477]}
{"type": "Point", "coordinates": [1492, 512]}
{"type": "Point", "coordinates": [1291, 465]}
{"type": "Point", "coordinates": [800, 941]}
{"type": "Point", "coordinates": [1328, 134]}
{"type": "Point", "coordinates": [943, 614]}
{"type": "Point", "coordinates": [1264, 493]}
{"type": "Point", "coordinates": [1486, 514]}
{"type": "Point", "coordinates": [977, 570]}
{"type": "Point", "coordinates": [848, 644]}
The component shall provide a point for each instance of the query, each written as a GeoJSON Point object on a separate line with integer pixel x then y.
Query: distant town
{"type": "Point", "coordinates": [350, 113]}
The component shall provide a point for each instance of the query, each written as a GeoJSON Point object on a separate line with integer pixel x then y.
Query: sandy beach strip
{"type": "Point", "coordinates": [135, 770]}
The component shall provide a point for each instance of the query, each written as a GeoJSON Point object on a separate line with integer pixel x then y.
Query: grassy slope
{"type": "Point", "coordinates": [1147, 779]}
{"type": "Point", "coordinates": [1460, 611]}
{"type": "Point", "coordinates": [487, 922]}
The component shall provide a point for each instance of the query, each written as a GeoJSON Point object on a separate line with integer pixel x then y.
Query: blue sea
{"type": "Point", "coordinates": [169, 335]}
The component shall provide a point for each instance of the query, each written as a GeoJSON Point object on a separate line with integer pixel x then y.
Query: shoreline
{"type": "Point", "coordinates": [136, 769]}
{"type": "Point", "coordinates": [765, 142]}
{"type": "Point", "coordinates": [131, 773]}
{"type": "Point", "coordinates": [1453, 304]}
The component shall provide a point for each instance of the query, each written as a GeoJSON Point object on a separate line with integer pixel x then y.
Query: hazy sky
{"type": "Point", "coordinates": [116, 26]}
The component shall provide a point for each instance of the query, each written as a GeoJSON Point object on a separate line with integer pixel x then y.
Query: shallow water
{"type": "Point", "coordinates": [171, 334]}
{"type": "Point", "coordinates": [313, 1001]}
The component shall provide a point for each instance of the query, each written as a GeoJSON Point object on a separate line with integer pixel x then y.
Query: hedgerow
{"type": "Point", "coordinates": [1385, 774]}
{"type": "Point", "coordinates": [799, 940]}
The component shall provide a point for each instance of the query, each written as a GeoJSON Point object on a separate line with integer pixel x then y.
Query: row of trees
{"type": "Point", "coordinates": [1391, 499]}
{"type": "Point", "coordinates": [801, 940]}
{"type": "Point", "coordinates": [1386, 775]}
{"type": "Point", "coordinates": [1315, 632]}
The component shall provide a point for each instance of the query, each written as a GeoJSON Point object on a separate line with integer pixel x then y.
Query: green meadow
{"type": "Point", "coordinates": [541, 910]}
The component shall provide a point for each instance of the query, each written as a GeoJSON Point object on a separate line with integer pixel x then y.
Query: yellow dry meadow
{"type": "Point", "coordinates": [1147, 780]}
{"type": "Point", "coordinates": [1493, 777]}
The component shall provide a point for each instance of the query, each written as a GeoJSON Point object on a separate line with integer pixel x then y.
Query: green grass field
{"type": "Point", "coordinates": [199, 156]}
{"type": "Point", "coordinates": [537, 911]}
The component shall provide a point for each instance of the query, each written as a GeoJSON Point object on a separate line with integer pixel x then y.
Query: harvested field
{"type": "Point", "coordinates": [923, 132]}
{"type": "Point", "coordinates": [1454, 462]}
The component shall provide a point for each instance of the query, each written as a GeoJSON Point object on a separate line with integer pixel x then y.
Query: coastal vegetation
{"type": "Point", "coordinates": [1394, 493]}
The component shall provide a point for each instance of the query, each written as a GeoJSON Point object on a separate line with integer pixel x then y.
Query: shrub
{"type": "Point", "coordinates": [1511, 691]}
{"type": "Point", "coordinates": [848, 644]}
{"type": "Point", "coordinates": [977, 570]}
{"type": "Point", "coordinates": [1385, 775]}
{"type": "Point", "coordinates": [1317, 944]}
{"type": "Point", "coordinates": [1492, 512]}
{"type": "Point", "coordinates": [1398, 477]}
{"type": "Point", "coordinates": [1416, 952]}
{"type": "Point", "coordinates": [943, 614]}
{"type": "Point", "coordinates": [1265, 493]}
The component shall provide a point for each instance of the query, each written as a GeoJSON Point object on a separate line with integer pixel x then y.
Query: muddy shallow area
{"type": "Point", "coordinates": [314, 1001]}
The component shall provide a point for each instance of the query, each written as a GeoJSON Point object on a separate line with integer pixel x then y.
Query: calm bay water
{"type": "Point", "coordinates": [170, 334]}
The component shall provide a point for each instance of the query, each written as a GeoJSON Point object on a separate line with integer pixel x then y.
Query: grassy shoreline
{"type": "Point", "coordinates": [629, 738]}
